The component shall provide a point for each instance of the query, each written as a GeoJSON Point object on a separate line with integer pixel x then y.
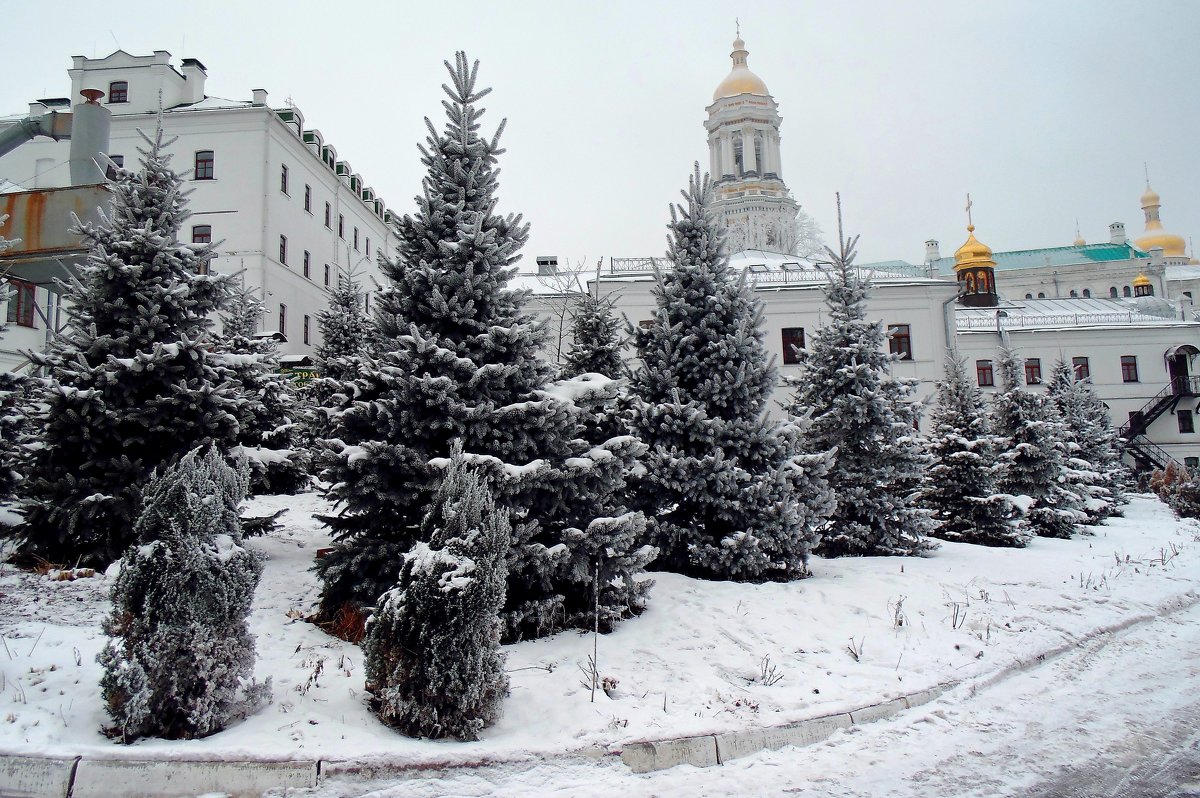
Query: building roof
{"type": "Point", "coordinates": [1054, 256]}
{"type": "Point", "coordinates": [1071, 313]}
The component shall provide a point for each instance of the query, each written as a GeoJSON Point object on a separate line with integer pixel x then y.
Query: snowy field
{"type": "Point", "coordinates": [705, 657]}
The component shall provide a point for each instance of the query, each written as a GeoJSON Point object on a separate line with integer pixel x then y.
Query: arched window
{"type": "Point", "coordinates": [1041, 295]}
{"type": "Point", "coordinates": [1029, 296]}
{"type": "Point", "coordinates": [1126, 291]}
{"type": "Point", "coordinates": [1113, 293]}
{"type": "Point", "coordinates": [970, 283]}
{"type": "Point", "coordinates": [983, 283]}
{"type": "Point", "coordinates": [1074, 294]}
{"type": "Point", "coordinates": [1087, 293]}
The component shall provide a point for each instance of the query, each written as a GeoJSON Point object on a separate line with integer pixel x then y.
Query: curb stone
{"type": "Point", "coordinates": [130, 778]}
{"type": "Point", "coordinates": [36, 776]}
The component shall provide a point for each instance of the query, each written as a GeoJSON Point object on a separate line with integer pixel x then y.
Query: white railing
{"type": "Point", "coordinates": [1010, 321]}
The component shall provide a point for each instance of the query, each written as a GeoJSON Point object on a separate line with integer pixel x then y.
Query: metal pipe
{"type": "Point", "coordinates": [90, 139]}
{"type": "Point", "coordinates": [55, 125]}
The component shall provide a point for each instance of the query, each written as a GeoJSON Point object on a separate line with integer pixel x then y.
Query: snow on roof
{"type": "Point", "coordinates": [1073, 312]}
{"type": "Point", "coordinates": [766, 268]}
{"type": "Point", "coordinates": [210, 103]}
{"type": "Point", "coordinates": [563, 282]}
{"type": "Point", "coordinates": [1186, 271]}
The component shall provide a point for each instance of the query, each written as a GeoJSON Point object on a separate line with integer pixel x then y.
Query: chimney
{"type": "Point", "coordinates": [547, 265]}
{"type": "Point", "coordinates": [194, 75]}
{"type": "Point", "coordinates": [90, 126]}
{"type": "Point", "coordinates": [1156, 257]}
{"type": "Point", "coordinates": [1116, 233]}
{"type": "Point", "coordinates": [260, 97]}
{"type": "Point", "coordinates": [37, 108]}
{"type": "Point", "coordinates": [932, 252]}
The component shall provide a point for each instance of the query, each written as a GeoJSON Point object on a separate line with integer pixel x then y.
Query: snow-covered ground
{"type": "Point", "coordinates": [705, 657]}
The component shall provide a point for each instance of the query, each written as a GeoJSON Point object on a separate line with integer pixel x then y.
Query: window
{"type": "Point", "coordinates": [646, 324]}
{"type": "Point", "coordinates": [368, 247]}
{"type": "Point", "coordinates": [328, 215]}
{"type": "Point", "coordinates": [283, 320]}
{"type": "Point", "coordinates": [1074, 294]}
{"type": "Point", "coordinates": [341, 226]}
{"type": "Point", "coordinates": [1112, 292]}
{"type": "Point", "coordinates": [118, 162]}
{"type": "Point", "coordinates": [900, 340]}
{"type": "Point", "coordinates": [983, 373]}
{"type": "Point", "coordinates": [308, 198]}
{"type": "Point", "coordinates": [1126, 291]}
{"type": "Point", "coordinates": [283, 178]}
{"type": "Point", "coordinates": [118, 91]}
{"type": "Point", "coordinates": [1082, 370]}
{"type": "Point", "coordinates": [793, 339]}
{"type": "Point", "coordinates": [1087, 293]}
{"type": "Point", "coordinates": [204, 165]}
{"type": "Point", "coordinates": [1033, 371]}
{"type": "Point", "coordinates": [1191, 463]}
{"type": "Point", "coordinates": [326, 275]}
{"type": "Point", "coordinates": [307, 265]}
{"type": "Point", "coordinates": [283, 250]}
{"type": "Point", "coordinates": [21, 299]}
{"type": "Point", "coordinates": [1041, 295]}
{"type": "Point", "coordinates": [1029, 296]}
{"type": "Point", "coordinates": [356, 239]}
{"type": "Point", "coordinates": [306, 326]}
{"type": "Point", "coordinates": [1187, 423]}
{"type": "Point", "coordinates": [1129, 368]}
{"type": "Point", "coordinates": [202, 234]}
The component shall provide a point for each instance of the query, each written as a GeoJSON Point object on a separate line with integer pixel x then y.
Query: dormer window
{"type": "Point", "coordinates": [118, 92]}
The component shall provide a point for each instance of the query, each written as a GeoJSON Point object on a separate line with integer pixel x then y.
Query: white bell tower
{"type": "Point", "coordinates": [743, 152]}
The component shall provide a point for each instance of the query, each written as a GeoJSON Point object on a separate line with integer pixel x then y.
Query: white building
{"type": "Point", "coordinates": [283, 207]}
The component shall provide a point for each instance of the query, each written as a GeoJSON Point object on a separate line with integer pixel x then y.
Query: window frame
{"type": "Point", "coordinates": [985, 373]}
{"type": "Point", "coordinates": [22, 303]}
{"type": "Point", "coordinates": [1033, 371]}
{"type": "Point", "coordinates": [326, 275]}
{"type": "Point", "coordinates": [1082, 367]}
{"type": "Point", "coordinates": [1129, 368]}
{"type": "Point", "coordinates": [284, 178]}
{"type": "Point", "coordinates": [113, 90]}
{"type": "Point", "coordinates": [283, 242]}
{"type": "Point", "coordinates": [204, 168]}
{"type": "Point", "coordinates": [356, 239]}
{"type": "Point", "coordinates": [342, 226]}
{"type": "Point", "coordinates": [328, 216]}
{"type": "Point", "coordinates": [308, 199]}
{"type": "Point", "coordinates": [307, 265]}
{"type": "Point", "coordinates": [199, 234]}
{"type": "Point", "coordinates": [1182, 414]}
{"type": "Point", "coordinates": [788, 337]}
{"type": "Point", "coordinates": [307, 325]}
{"type": "Point", "coordinates": [283, 319]}
{"type": "Point", "coordinates": [900, 341]}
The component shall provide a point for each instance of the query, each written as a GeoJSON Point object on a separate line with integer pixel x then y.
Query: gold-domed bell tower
{"type": "Point", "coordinates": [1142, 286]}
{"type": "Point", "coordinates": [975, 270]}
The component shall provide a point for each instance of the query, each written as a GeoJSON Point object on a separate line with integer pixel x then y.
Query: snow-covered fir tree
{"type": "Point", "coordinates": [131, 383]}
{"type": "Point", "coordinates": [266, 406]}
{"type": "Point", "coordinates": [732, 496]}
{"type": "Point", "coordinates": [960, 486]}
{"type": "Point", "coordinates": [858, 408]}
{"type": "Point", "coordinates": [459, 359]}
{"type": "Point", "coordinates": [1087, 479]}
{"type": "Point", "coordinates": [347, 332]}
{"type": "Point", "coordinates": [596, 339]}
{"type": "Point", "coordinates": [1094, 438]}
{"type": "Point", "coordinates": [1032, 453]}
{"type": "Point", "coordinates": [15, 392]}
{"type": "Point", "coordinates": [180, 663]}
{"type": "Point", "coordinates": [433, 659]}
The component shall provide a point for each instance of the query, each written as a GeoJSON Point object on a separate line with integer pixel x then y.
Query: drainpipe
{"type": "Point", "coordinates": [947, 319]}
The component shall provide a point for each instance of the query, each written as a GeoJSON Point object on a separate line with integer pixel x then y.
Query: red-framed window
{"type": "Point", "coordinates": [984, 374]}
{"type": "Point", "coordinates": [205, 165]}
{"type": "Point", "coordinates": [1129, 371]}
{"type": "Point", "coordinates": [283, 320]}
{"type": "Point", "coordinates": [900, 340]}
{"type": "Point", "coordinates": [283, 250]}
{"type": "Point", "coordinates": [118, 92]}
{"type": "Point", "coordinates": [308, 198]}
{"type": "Point", "coordinates": [202, 234]}
{"type": "Point", "coordinates": [283, 178]}
{"type": "Point", "coordinates": [1082, 370]}
{"type": "Point", "coordinates": [21, 302]}
{"type": "Point", "coordinates": [793, 340]}
{"type": "Point", "coordinates": [1033, 371]}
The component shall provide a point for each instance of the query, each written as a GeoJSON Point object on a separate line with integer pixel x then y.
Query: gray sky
{"type": "Point", "coordinates": [1044, 111]}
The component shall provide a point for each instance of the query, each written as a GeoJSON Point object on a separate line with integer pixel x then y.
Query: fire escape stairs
{"type": "Point", "coordinates": [1145, 453]}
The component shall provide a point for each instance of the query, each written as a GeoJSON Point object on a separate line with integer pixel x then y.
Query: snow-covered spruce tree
{"type": "Point", "coordinates": [459, 359]}
{"type": "Point", "coordinates": [180, 662]}
{"type": "Point", "coordinates": [1072, 401]}
{"type": "Point", "coordinates": [1032, 453]}
{"type": "Point", "coordinates": [130, 379]}
{"type": "Point", "coordinates": [732, 496]}
{"type": "Point", "coordinates": [434, 665]}
{"type": "Point", "coordinates": [858, 408]}
{"type": "Point", "coordinates": [15, 392]}
{"type": "Point", "coordinates": [596, 339]}
{"type": "Point", "coordinates": [347, 332]}
{"type": "Point", "coordinates": [266, 406]}
{"type": "Point", "coordinates": [1097, 441]}
{"type": "Point", "coordinates": [960, 486]}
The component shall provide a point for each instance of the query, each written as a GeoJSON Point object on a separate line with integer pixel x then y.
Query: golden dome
{"type": "Point", "coordinates": [1141, 279]}
{"type": "Point", "coordinates": [973, 252]}
{"type": "Point", "coordinates": [740, 79]}
{"type": "Point", "coordinates": [1173, 246]}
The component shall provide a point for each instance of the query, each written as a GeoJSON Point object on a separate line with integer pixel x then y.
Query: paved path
{"type": "Point", "coordinates": [1119, 718]}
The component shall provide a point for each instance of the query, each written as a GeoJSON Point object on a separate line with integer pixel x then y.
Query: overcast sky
{"type": "Point", "coordinates": [1044, 111]}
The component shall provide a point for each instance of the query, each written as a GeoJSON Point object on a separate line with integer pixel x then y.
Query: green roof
{"type": "Point", "coordinates": [1054, 256]}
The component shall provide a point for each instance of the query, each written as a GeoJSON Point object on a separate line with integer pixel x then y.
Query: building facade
{"type": "Point", "coordinates": [284, 210]}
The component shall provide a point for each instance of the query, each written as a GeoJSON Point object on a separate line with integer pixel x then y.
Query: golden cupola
{"type": "Point", "coordinates": [740, 79]}
{"type": "Point", "coordinates": [976, 272]}
{"type": "Point", "coordinates": [1173, 246]}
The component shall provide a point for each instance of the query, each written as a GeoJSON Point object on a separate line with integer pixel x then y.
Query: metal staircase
{"type": "Point", "coordinates": [1146, 454]}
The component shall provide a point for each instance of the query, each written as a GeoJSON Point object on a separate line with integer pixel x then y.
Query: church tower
{"type": "Point", "coordinates": [975, 270]}
{"type": "Point", "coordinates": [743, 154]}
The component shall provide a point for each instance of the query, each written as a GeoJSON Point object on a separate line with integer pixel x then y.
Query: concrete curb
{"type": "Point", "coordinates": [83, 777]}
